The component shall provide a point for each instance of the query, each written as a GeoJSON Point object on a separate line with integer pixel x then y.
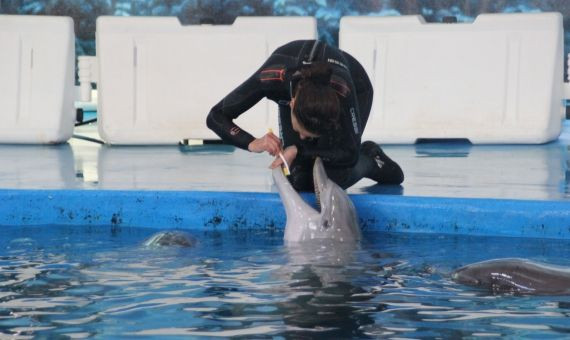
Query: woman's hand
{"type": "Point", "coordinates": [269, 142]}
{"type": "Point", "coordinates": [289, 154]}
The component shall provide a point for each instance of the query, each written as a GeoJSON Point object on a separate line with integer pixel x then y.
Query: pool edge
{"type": "Point", "coordinates": [207, 210]}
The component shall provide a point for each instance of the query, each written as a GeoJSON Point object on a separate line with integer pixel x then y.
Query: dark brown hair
{"type": "Point", "coordinates": [317, 106]}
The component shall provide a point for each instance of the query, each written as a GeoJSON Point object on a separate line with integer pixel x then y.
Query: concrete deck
{"type": "Point", "coordinates": [535, 172]}
{"type": "Point", "coordinates": [482, 183]}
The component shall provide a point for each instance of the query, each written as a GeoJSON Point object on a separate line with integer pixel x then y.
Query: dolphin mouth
{"type": "Point", "coordinates": [318, 196]}
{"type": "Point", "coordinates": [319, 178]}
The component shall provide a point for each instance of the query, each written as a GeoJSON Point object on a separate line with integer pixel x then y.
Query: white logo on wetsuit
{"type": "Point", "coordinates": [379, 162]}
{"type": "Point", "coordinates": [354, 121]}
{"type": "Point", "coordinates": [234, 131]}
{"type": "Point", "coordinates": [336, 62]}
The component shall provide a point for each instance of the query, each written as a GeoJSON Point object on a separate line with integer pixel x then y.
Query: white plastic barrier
{"type": "Point", "coordinates": [158, 80]}
{"type": "Point", "coordinates": [496, 80]}
{"type": "Point", "coordinates": [37, 67]}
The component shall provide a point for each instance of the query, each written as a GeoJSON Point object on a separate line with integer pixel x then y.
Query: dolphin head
{"type": "Point", "coordinates": [336, 219]}
{"type": "Point", "coordinates": [515, 275]}
{"type": "Point", "coordinates": [337, 210]}
{"type": "Point", "coordinates": [496, 272]}
{"type": "Point", "coordinates": [473, 275]}
{"type": "Point", "coordinates": [170, 238]}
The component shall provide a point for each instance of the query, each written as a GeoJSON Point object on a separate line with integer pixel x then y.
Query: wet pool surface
{"type": "Point", "coordinates": [101, 282]}
{"type": "Point", "coordinates": [453, 169]}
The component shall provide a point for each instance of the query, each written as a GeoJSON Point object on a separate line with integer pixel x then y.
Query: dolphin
{"type": "Point", "coordinates": [170, 238]}
{"type": "Point", "coordinates": [336, 220]}
{"type": "Point", "coordinates": [516, 276]}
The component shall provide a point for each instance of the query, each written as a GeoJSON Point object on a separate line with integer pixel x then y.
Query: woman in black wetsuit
{"type": "Point", "coordinates": [324, 98]}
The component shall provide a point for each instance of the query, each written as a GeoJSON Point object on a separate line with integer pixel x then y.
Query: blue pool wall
{"type": "Point", "coordinates": [197, 210]}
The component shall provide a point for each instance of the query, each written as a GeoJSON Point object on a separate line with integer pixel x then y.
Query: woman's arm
{"type": "Point", "coordinates": [221, 116]}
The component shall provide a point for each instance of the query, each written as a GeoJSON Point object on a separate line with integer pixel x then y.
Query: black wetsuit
{"type": "Point", "coordinates": [274, 80]}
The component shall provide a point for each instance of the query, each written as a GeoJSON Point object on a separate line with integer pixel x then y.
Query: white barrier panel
{"type": "Point", "coordinates": [496, 80]}
{"type": "Point", "coordinates": [37, 70]}
{"type": "Point", "coordinates": [158, 80]}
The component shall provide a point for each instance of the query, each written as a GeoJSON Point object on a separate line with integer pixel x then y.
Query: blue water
{"type": "Point", "coordinates": [102, 283]}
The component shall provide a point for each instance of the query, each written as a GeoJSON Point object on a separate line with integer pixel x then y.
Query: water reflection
{"type": "Point", "coordinates": [382, 189]}
{"type": "Point", "coordinates": [456, 148]}
{"type": "Point", "coordinates": [565, 185]}
{"type": "Point", "coordinates": [498, 171]}
{"type": "Point", "coordinates": [320, 277]}
{"type": "Point", "coordinates": [431, 169]}
{"type": "Point", "coordinates": [207, 167]}
{"type": "Point", "coordinates": [66, 282]}
{"type": "Point", "coordinates": [37, 166]}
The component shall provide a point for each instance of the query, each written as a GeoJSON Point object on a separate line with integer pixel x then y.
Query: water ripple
{"type": "Point", "coordinates": [393, 287]}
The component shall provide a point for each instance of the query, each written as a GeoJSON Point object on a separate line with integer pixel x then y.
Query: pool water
{"type": "Point", "coordinates": [101, 282]}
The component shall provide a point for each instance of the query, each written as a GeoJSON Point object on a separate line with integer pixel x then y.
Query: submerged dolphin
{"type": "Point", "coordinates": [337, 219]}
{"type": "Point", "coordinates": [170, 238]}
{"type": "Point", "coordinates": [518, 276]}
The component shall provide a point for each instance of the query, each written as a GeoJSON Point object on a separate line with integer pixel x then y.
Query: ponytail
{"type": "Point", "coordinates": [317, 106]}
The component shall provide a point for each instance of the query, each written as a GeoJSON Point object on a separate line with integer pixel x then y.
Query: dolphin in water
{"type": "Point", "coordinates": [336, 220]}
{"type": "Point", "coordinates": [171, 238]}
{"type": "Point", "coordinates": [517, 276]}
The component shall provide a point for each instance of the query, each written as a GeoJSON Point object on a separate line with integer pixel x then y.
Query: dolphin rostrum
{"type": "Point", "coordinates": [337, 219]}
{"type": "Point", "coordinates": [517, 276]}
